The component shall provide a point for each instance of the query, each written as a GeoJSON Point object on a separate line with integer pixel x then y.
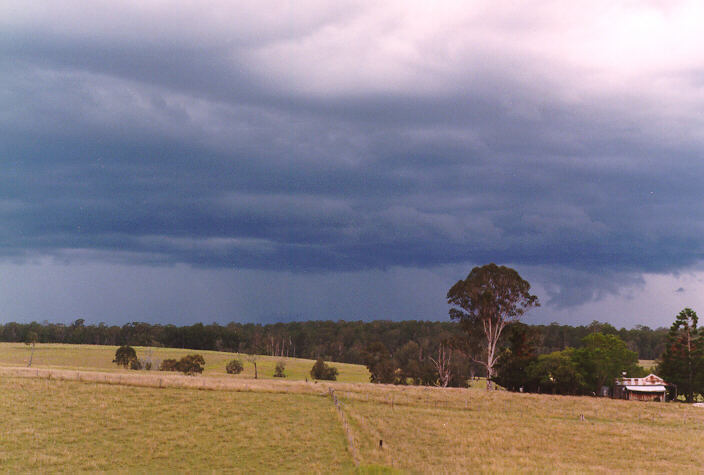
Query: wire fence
{"type": "Point", "coordinates": [352, 445]}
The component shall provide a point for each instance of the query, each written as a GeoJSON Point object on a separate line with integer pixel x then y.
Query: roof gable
{"type": "Point", "coordinates": [650, 380]}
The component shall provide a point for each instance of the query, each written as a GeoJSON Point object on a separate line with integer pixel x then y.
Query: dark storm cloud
{"type": "Point", "coordinates": [224, 149]}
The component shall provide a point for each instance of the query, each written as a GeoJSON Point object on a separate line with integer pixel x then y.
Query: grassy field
{"type": "Point", "coordinates": [72, 426]}
{"type": "Point", "coordinates": [456, 430]}
{"type": "Point", "coordinates": [292, 426]}
{"type": "Point", "coordinates": [649, 365]}
{"type": "Point", "coordinates": [96, 357]}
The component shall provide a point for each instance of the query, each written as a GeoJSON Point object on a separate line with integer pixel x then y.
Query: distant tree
{"type": "Point", "coordinates": [136, 364]}
{"type": "Point", "coordinates": [279, 370]}
{"type": "Point", "coordinates": [191, 364]}
{"type": "Point", "coordinates": [169, 364]}
{"type": "Point", "coordinates": [234, 367]}
{"type": "Point", "coordinates": [252, 358]}
{"type": "Point", "coordinates": [31, 341]}
{"type": "Point", "coordinates": [603, 358]}
{"type": "Point", "coordinates": [124, 356]}
{"type": "Point", "coordinates": [411, 365]}
{"type": "Point", "coordinates": [557, 373]}
{"type": "Point", "coordinates": [491, 296]}
{"type": "Point", "coordinates": [380, 363]}
{"type": "Point", "coordinates": [321, 370]}
{"type": "Point", "coordinates": [443, 365]}
{"type": "Point", "coordinates": [511, 369]}
{"type": "Point", "coordinates": [682, 361]}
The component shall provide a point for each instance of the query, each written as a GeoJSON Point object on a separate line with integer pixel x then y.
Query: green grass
{"type": "Point", "coordinates": [97, 357]}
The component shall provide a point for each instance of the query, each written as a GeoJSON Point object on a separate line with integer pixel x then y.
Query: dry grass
{"type": "Point", "coordinates": [272, 425]}
{"type": "Point", "coordinates": [52, 426]}
{"type": "Point", "coordinates": [99, 357]}
{"type": "Point", "coordinates": [448, 431]}
{"type": "Point", "coordinates": [649, 365]}
{"type": "Point", "coordinates": [156, 379]}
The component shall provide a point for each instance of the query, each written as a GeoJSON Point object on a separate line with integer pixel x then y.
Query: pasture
{"type": "Point", "coordinates": [237, 424]}
{"type": "Point", "coordinates": [99, 357]}
{"type": "Point", "coordinates": [73, 426]}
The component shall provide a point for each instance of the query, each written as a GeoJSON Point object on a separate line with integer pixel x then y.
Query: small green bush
{"type": "Point", "coordinates": [124, 356]}
{"type": "Point", "coordinates": [168, 365]}
{"type": "Point", "coordinates": [234, 367]}
{"type": "Point", "coordinates": [139, 363]}
{"type": "Point", "coordinates": [279, 370]}
{"type": "Point", "coordinates": [321, 370]}
{"type": "Point", "coordinates": [189, 364]}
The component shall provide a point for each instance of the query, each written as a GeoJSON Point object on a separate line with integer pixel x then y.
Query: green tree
{"type": "Point", "coordinates": [234, 367]}
{"type": "Point", "coordinates": [603, 358]}
{"type": "Point", "coordinates": [124, 356]}
{"type": "Point", "coordinates": [557, 373]}
{"type": "Point", "coordinates": [380, 363]}
{"type": "Point", "coordinates": [511, 369]}
{"type": "Point", "coordinates": [681, 363]}
{"type": "Point", "coordinates": [169, 364]}
{"type": "Point", "coordinates": [279, 370]}
{"type": "Point", "coordinates": [191, 364]}
{"type": "Point", "coordinates": [491, 296]}
{"type": "Point", "coordinates": [321, 370]}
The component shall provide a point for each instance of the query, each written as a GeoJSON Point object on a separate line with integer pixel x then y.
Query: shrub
{"type": "Point", "coordinates": [234, 367]}
{"type": "Point", "coordinates": [168, 365]}
{"type": "Point", "coordinates": [321, 370]}
{"type": "Point", "coordinates": [141, 364]}
{"type": "Point", "coordinates": [124, 356]}
{"type": "Point", "coordinates": [189, 364]}
{"type": "Point", "coordinates": [136, 364]}
{"type": "Point", "coordinates": [279, 371]}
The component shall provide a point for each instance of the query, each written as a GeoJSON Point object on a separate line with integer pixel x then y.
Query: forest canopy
{"type": "Point", "coordinates": [341, 341]}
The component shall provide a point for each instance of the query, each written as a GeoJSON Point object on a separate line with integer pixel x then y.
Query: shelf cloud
{"type": "Point", "coordinates": [356, 137]}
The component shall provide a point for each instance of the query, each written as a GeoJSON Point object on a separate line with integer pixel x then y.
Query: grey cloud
{"type": "Point", "coordinates": [176, 151]}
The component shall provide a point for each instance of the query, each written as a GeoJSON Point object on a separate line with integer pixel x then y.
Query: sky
{"type": "Point", "coordinates": [210, 161]}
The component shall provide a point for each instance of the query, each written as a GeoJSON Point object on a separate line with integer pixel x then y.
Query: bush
{"type": "Point", "coordinates": [168, 365]}
{"type": "Point", "coordinates": [189, 364]}
{"type": "Point", "coordinates": [234, 367]}
{"type": "Point", "coordinates": [124, 356]}
{"type": "Point", "coordinates": [136, 364]}
{"type": "Point", "coordinates": [141, 364]}
{"type": "Point", "coordinates": [321, 370]}
{"type": "Point", "coordinates": [279, 371]}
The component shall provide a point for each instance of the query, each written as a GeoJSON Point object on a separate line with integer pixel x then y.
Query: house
{"type": "Point", "coordinates": [650, 388]}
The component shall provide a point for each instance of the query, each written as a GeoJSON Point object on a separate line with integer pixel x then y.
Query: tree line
{"type": "Point", "coordinates": [484, 337]}
{"type": "Point", "coordinates": [341, 341]}
{"type": "Point", "coordinates": [582, 370]}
